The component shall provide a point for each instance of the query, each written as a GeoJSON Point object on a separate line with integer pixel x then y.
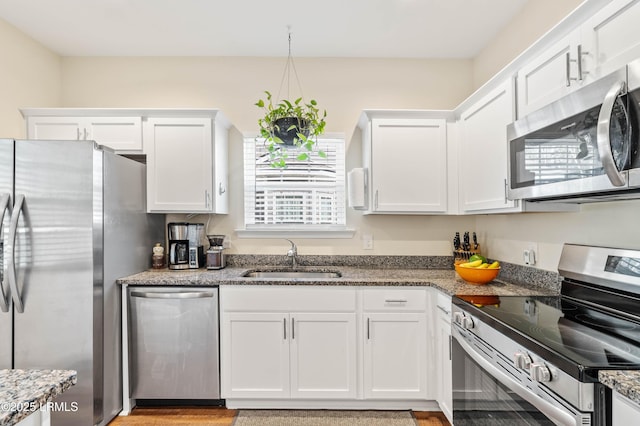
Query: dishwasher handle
{"type": "Point", "coordinates": [169, 295]}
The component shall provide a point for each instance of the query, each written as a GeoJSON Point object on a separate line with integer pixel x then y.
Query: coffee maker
{"type": "Point", "coordinates": [215, 256]}
{"type": "Point", "coordinates": [178, 245]}
{"type": "Point", "coordinates": [195, 232]}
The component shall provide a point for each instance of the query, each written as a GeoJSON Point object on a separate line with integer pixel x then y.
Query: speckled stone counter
{"type": "Point", "coordinates": [626, 383]}
{"type": "Point", "coordinates": [24, 391]}
{"type": "Point", "coordinates": [444, 279]}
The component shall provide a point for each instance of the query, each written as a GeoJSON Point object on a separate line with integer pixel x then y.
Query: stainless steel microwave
{"type": "Point", "coordinates": [581, 148]}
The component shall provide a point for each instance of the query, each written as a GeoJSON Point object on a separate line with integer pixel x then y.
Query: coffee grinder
{"type": "Point", "coordinates": [178, 245]}
{"type": "Point", "coordinates": [215, 255]}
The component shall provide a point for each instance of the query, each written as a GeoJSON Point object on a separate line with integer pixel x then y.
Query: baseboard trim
{"type": "Point", "coordinates": [333, 404]}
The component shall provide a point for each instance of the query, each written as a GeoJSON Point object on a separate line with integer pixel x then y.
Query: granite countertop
{"type": "Point", "coordinates": [444, 279]}
{"type": "Point", "coordinates": [626, 383]}
{"type": "Point", "coordinates": [22, 392]}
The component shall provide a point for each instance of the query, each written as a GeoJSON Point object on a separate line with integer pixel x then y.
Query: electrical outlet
{"type": "Point", "coordinates": [367, 241]}
{"type": "Point", "coordinates": [529, 257]}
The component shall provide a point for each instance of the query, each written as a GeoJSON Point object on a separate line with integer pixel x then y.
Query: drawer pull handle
{"type": "Point", "coordinates": [395, 301]}
{"type": "Point", "coordinates": [444, 310]}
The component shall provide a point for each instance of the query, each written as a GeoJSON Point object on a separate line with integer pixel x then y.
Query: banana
{"type": "Point", "coordinates": [483, 266]}
{"type": "Point", "coordinates": [494, 265]}
{"type": "Point", "coordinates": [473, 264]}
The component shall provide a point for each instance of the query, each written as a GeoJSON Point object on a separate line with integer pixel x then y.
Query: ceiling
{"type": "Point", "coordinates": [319, 28]}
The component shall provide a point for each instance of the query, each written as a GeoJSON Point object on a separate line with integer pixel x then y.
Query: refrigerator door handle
{"type": "Point", "coordinates": [11, 266]}
{"type": "Point", "coordinates": [5, 294]}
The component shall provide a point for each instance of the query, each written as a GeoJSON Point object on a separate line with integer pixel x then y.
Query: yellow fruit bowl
{"type": "Point", "coordinates": [477, 276]}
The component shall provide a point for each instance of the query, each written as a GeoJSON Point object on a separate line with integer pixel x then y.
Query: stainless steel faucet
{"type": "Point", "coordinates": [293, 253]}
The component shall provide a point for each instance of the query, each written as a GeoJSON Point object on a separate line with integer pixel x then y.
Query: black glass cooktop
{"type": "Point", "coordinates": [578, 339]}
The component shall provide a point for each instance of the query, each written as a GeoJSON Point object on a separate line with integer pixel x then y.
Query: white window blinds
{"type": "Point", "coordinates": [305, 195]}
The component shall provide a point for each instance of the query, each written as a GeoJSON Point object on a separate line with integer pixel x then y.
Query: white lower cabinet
{"type": "Point", "coordinates": [326, 347]}
{"type": "Point", "coordinates": [323, 355]}
{"type": "Point", "coordinates": [624, 412]}
{"type": "Point", "coordinates": [256, 354]}
{"type": "Point", "coordinates": [443, 353]}
{"type": "Point", "coordinates": [279, 343]}
{"type": "Point", "coordinates": [395, 355]}
{"type": "Point", "coordinates": [289, 355]}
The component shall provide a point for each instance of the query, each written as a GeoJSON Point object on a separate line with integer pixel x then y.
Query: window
{"type": "Point", "coordinates": [305, 196]}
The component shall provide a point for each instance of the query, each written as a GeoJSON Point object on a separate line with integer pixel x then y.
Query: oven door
{"type": "Point", "coordinates": [486, 390]}
{"type": "Point", "coordinates": [582, 144]}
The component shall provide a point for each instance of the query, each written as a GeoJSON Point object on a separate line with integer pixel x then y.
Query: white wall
{"type": "Point", "coordinates": [30, 75]}
{"type": "Point", "coordinates": [343, 86]}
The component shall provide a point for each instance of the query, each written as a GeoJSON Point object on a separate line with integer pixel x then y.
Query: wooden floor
{"type": "Point", "coordinates": [215, 416]}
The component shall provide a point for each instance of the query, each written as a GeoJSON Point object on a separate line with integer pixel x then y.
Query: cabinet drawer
{"type": "Point", "coordinates": [287, 298]}
{"type": "Point", "coordinates": [395, 299]}
{"type": "Point", "coordinates": [443, 302]}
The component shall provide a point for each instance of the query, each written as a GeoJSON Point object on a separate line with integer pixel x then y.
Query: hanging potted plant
{"type": "Point", "coordinates": [295, 124]}
{"type": "Point", "coordinates": [290, 124]}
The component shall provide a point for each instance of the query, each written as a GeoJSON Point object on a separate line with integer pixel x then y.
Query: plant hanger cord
{"type": "Point", "coordinates": [289, 66]}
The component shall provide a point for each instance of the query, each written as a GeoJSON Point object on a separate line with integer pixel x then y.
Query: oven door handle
{"type": "Point", "coordinates": [603, 138]}
{"type": "Point", "coordinates": [556, 414]}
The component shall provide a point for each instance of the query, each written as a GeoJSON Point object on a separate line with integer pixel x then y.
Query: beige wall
{"type": "Point", "coordinates": [30, 75]}
{"type": "Point", "coordinates": [343, 86]}
{"type": "Point", "coordinates": [613, 224]}
{"type": "Point", "coordinates": [536, 18]}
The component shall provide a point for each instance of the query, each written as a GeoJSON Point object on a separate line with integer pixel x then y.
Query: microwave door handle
{"type": "Point", "coordinates": [4, 295]}
{"type": "Point", "coordinates": [602, 135]}
{"type": "Point", "coordinates": [11, 266]}
{"type": "Point", "coordinates": [557, 414]}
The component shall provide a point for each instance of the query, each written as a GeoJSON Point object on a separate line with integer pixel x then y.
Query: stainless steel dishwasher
{"type": "Point", "coordinates": [174, 343]}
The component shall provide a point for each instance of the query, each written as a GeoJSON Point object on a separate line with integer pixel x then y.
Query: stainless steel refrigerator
{"type": "Point", "coordinates": [73, 221]}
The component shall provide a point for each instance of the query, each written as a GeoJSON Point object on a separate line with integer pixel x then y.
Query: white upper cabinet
{"type": "Point", "coordinates": [120, 133]}
{"type": "Point", "coordinates": [483, 152]}
{"type": "Point", "coordinates": [604, 42]}
{"type": "Point", "coordinates": [611, 36]}
{"type": "Point", "coordinates": [186, 149]}
{"type": "Point", "coordinates": [186, 164]}
{"type": "Point", "coordinates": [406, 161]}
{"type": "Point", "coordinates": [562, 68]}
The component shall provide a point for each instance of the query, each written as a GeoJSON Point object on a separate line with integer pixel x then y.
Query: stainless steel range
{"type": "Point", "coordinates": [535, 360]}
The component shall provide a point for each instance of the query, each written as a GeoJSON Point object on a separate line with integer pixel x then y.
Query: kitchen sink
{"type": "Point", "coordinates": [292, 274]}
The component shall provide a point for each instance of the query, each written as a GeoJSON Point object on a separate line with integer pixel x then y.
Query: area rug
{"type": "Point", "coordinates": [323, 418]}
